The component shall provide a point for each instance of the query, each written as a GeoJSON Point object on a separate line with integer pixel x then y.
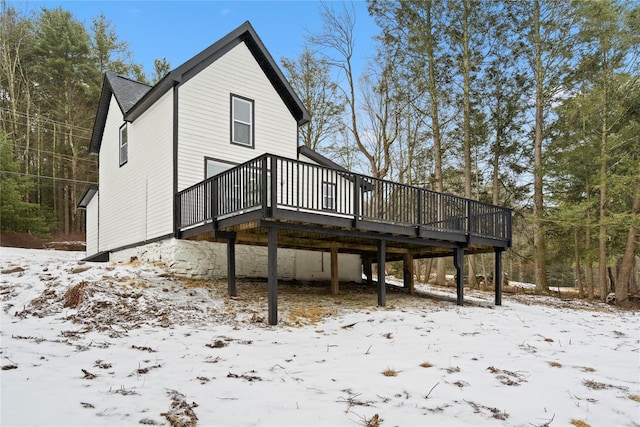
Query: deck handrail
{"type": "Point", "coordinates": [271, 183]}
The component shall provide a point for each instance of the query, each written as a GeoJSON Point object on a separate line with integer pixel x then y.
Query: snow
{"type": "Point", "coordinates": [145, 347]}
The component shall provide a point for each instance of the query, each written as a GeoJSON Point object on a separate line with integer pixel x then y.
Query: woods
{"type": "Point", "coordinates": [533, 105]}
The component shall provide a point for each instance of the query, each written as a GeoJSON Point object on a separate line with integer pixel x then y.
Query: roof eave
{"type": "Point", "coordinates": [101, 117]}
{"type": "Point", "coordinates": [319, 158]}
{"type": "Point", "coordinates": [86, 197]}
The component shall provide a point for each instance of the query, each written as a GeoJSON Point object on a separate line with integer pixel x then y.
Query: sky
{"type": "Point", "coordinates": [178, 30]}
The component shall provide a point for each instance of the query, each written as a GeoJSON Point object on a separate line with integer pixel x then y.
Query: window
{"type": "Point", "coordinates": [241, 121]}
{"type": "Point", "coordinates": [214, 167]}
{"type": "Point", "coordinates": [124, 144]}
{"type": "Point", "coordinates": [329, 196]}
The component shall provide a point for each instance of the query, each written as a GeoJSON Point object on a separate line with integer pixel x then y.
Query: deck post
{"type": "Point", "coordinates": [335, 283]}
{"type": "Point", "coordinates": [177, 216]}
{"type": "Point", "coordinates": [272, 273]}
{"type": "Point", "coordinates": [263, 186]}
{"type": "Point", "coordinates": [382, 297]}
{"type": "Point", "coordinates": [357, 189]}
{"type": "Point", "coordinates": [231, 265]}
{"type": "Point", "coordinates": [497, 275]}
{"type": "Point", "coordinates": [407, 273]}
{"type": "Point", "coordinates": [367, 269]}
{"type": "Point", "coordinates": [274, 186]}
{"type": "Point", "coordinates": [458, 262]}
{"type": "Point", "coordinates": [214, 200]}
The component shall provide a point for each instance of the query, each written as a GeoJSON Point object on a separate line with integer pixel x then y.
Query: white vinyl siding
{"type": "Point", "coordinates": [204, 110]}
{"type": "Point", "coordinates": [136, 202]}
{"type": "Point", "coordinates": [92, 221]}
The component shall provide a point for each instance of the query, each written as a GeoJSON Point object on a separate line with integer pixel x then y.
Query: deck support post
{"type": "Point", "coordinates": [497, 275]}
{"type": "Point", "coordinates": [407, 273]}
{"type": "Point", "coordinates": [335, 283]}
{"type": "Point", "coordinates": [272, 273]}
{"type": "Point", "coordinates": [231, 265]}
{"type": "Point", "coordinates": [382, 297]}
{"type": "Point", "coordinates": [367, 269]}
{"type": "Point", "coordinates": [458, 262]}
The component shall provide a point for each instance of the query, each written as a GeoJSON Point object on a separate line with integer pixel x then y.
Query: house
{"type": "Point", "coordinates": [202, 172]}
{"type": "Point", "coordinates": [221, 108]}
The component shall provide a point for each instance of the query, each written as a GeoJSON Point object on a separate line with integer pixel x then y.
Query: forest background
{"type": "Point", "coordinates": [533, 105]}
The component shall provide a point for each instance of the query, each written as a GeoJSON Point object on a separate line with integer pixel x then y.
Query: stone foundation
{"type": "Point", "coordinates": [208, 260]}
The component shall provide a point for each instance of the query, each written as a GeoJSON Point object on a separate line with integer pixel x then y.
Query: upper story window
{"type": "Point", "coordinates": [124, 144]}
{"type": "Point", "coordinates": [241, 121]}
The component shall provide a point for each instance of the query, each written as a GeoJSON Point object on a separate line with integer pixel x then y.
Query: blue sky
{"type": "Point", "coordinates": [178, 30]}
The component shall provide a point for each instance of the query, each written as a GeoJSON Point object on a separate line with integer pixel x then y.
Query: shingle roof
{"type": "Point", "coordinates": [134, 98]}
{"type": "Point", "coordinates": [127, 93]}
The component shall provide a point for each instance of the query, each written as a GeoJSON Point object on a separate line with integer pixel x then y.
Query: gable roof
{"type": "Point", "coordinates": [127, 93]}
{"type": "Point", "coordinates": [139, 100]}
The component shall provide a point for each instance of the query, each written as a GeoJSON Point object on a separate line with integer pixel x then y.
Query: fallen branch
{"type": "Point", "coordinates": [429, 394]}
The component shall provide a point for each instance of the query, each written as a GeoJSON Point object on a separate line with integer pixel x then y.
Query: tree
{"type": "Point", "coordinates": [310, 77]}
{"type": "Point", "coordinates": [17, 214]}
{"type": "Point", "coordinates": [110, 53]}
{"type": "Point", "coordinates": [608, 35]}
{"type": "Point", "coordinates": [466, 37]}
{"type": "Point", "coordinates": [68, 89]}
{"type": "Point", "coordinates": [16, 35]}
{"type": "Point", "coordinates": [413, 30]}
{"type": "Point", "coordinates": [161, 69]}
{"type": "Point", "coordinates": [547, 49]}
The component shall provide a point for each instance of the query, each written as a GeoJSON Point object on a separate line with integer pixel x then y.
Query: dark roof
{"type": "Point", "coordinates": [86, 197]}
{"type": "Point", "coordinates": [127, 93]}
{"type": "Point", "coordinates": [319, 158]}
{"type": "Point", "coordinates": [367, 185]}
{"type": "Point", "coordinates": [143, 100]}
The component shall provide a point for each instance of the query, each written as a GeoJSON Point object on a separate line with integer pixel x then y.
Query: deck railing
{"type": "Point", "coordinates": [271, 183]}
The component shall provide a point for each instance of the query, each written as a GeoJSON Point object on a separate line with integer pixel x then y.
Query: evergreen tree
{"type": "Point", "coordinates": [68, 90]}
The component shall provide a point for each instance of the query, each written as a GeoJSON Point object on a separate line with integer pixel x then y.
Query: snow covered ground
{"type": "Point", "coordinates": [135, 345]}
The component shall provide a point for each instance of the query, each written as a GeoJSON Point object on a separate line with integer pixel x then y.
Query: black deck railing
{"type": "Point", "coordinates": [271, 183]}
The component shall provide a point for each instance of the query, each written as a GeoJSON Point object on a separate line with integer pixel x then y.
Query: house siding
{"type": "Point", "coordinates": [136, 199]}
{"type": "Point", "coordinates": [204, 112]}
{"type": "Point", "coordinates": [92, 222]}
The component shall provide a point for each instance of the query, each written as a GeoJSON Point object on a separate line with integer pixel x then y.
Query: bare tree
{"type": "Point", "coordinates": [310, 77]}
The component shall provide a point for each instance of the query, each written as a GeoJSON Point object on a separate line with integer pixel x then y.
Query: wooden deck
{"type": "Point", "coordinates": [279, 202]}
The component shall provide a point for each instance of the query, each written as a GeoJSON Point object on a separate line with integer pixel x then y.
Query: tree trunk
{"type": "Point", "coordinates": [539, 244]}
{"type": "Point", "coordinates": [466, 120]}
{"type": "Point", "coordinates": [630, 250]}
{"type": "Point", "coordinates": [435, 120]}
{"type": "Point", "coordinates": [587, 243]}
{"type": "Point", "coordinates": [578, 269]}
{"type": "Point", "coordinates": [602, 235]}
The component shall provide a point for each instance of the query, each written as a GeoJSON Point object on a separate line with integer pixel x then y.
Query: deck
{"type": "Point", "coordinates": [281, 202]}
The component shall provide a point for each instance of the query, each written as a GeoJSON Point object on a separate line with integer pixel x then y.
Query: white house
{"type": "Point", "coordinates": [202, 172]}
{"type": "Point", "coordinates": [227, 105]}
